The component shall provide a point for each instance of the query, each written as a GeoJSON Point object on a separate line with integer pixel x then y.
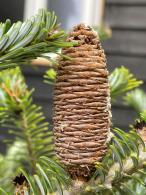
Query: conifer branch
{"type": "Point", "coordinates": [124, 162]}
{"type": "Point", "coordinates": [24, 41]}
{"type": "Point", "coordinates": [24, 119]}
{"type": "Point", "coordinates": [137, 100]}
{"type": "Point", "coordinates": [10, 162]}
{"type": "Point", "coordinates": [122, 81]}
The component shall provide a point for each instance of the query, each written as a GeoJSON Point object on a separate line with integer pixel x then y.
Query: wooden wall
{"type": "Point", "coordinates": [11, 9]}
{"type": "Point", "coordinates": [127, 18]}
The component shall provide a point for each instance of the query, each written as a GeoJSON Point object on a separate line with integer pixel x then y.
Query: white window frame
{"type": "Point", "coordinates": [93, 14]}
{"type": "Point", "coordinates": [31, 7]}
{"type": "Point", "coordinates": [92, 10]}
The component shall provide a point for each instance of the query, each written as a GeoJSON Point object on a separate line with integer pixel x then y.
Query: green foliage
{"type": "Point", "coordinates": [119, 172]}
{"type": "Point", "coordinates": [23, 41]}
{"type": "Point", "coordinates": [122, 81]}
{"type": "Point", "coordinates": [137, 100]}
{"type": "Point", "coordinates": [48, 178]}
{"type": "Point", "coordinates": [122, 165]}
{"type": "Point", "coordinates": [33, 139]}
{"type": "Point", "coordinates": [138, 184]}
{"type": "Point", "coordinates": [10, 163]}
{"type": "Point", "coordinates": [3, 192]}
{"type": "Point", "coordinates": [24, 119]}
{"type": "Point", "coordinates": [50, 76]}
{"type": "Point", "coordinates": [143, 115]}
{"type": "Point", "coordinates": [103, 32]}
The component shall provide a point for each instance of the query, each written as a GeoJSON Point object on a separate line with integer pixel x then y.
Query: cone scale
{"type": "Point", "coordinates": [82, 104]}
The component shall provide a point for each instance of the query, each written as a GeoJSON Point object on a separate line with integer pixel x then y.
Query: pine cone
{"type": "Point", "coordinates": [21, 184]}
{"type": "Point", "coordinates": [82, 104]}
{"type": "Point", "coordinates": [140, 126]}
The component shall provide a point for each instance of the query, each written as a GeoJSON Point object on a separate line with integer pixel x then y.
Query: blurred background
{"type": "Point", "coordinates": [126, 46]}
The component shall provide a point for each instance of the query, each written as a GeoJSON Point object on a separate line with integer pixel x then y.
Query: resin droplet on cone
{"type": "Point", "coordinates": [82, 104]}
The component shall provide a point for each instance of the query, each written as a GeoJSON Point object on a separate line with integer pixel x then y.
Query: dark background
{"type": "Point", "coordinates": [127, 18]}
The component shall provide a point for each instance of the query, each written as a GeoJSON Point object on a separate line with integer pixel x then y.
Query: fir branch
{"type": "Point", "coordinates": [22, 117]}
{"type": "Point", "coordinates": [122, 81]}
{"type": "Point", "coordinates": [10, 162]}
{"type": "Point", "coordinates": [137, 100]}
{"type": "Point", "coordinates": [124, 161]}
{"type": "Point", "coordinates": [24, 41]}
{"type": "Point", "coordinates": [103, 32]}
{"type": "Point", "coordinates": [49, 177]}
{"type": "Point", "coordinates": [50, 76]}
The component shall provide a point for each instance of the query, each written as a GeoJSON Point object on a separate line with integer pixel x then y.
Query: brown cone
{"type": "Point", "coordinates": [140, 126]}
{"type": "Point", "coordinates": [21, 184]}
{"type": "Point", "coordinates": [82, 104]}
